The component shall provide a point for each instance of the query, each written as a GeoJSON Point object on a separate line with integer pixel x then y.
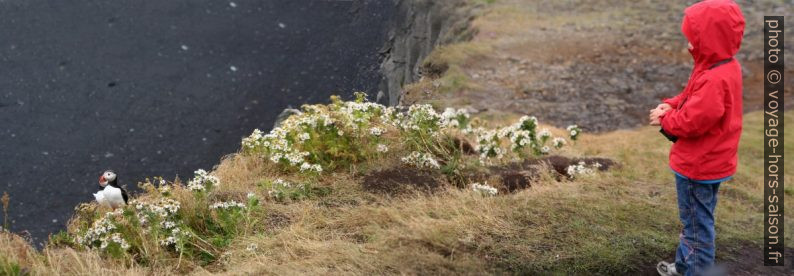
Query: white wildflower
{"type": "Point", "coordinates": [304, 136]}
{"type": "Point", "coordinates": [421, 160]}
{"type": "Point", "coordinates": [582, 169]}
{"type": "Point", "coordinates": [306, 167]}
{"type": "Point", "coordinates": [168, 241]}
{"type": "Point", "coordinates": [484, 189]}
{"type": "Point", "coordinates": [376, 131]}
{"type": "Point", "coordinates": [281, 183]}
{"type": "Point", "coordinates": [227, 205]}
{"type": "Point", "coordinates": [558, 142]}
{"type": "Point", "coordinates": [574, 131]}
{"type": "Point", "coordinates": [168, 224]}
{"type": "Point", "coordinates": [202, 180]}
{"type": "Point", "coordinates": [544, 133]}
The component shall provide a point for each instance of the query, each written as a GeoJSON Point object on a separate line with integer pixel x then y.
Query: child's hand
{"type": "Point", "coordinates": [664, 107]}
{"type": "Point", "coordinates": [655, 115]}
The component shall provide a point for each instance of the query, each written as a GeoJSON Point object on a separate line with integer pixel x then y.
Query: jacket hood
{"type": "Point", "coordinates": [715, 28]}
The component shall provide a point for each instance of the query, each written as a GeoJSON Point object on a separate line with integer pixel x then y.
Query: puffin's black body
{"type": "Point", "coordinates": [115, 184]}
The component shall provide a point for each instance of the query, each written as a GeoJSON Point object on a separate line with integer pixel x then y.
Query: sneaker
{"type": "Point", "coordinates": [666, 269]}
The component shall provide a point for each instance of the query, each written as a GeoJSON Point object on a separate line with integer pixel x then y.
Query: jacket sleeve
{"type": "Point", "coordinates": [703, 109]}
{"type": "Point", "coordinates": [674, 101]}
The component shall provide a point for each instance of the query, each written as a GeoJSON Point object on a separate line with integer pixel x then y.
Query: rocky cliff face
{"type": "Point", "coordinates": [419, 26]}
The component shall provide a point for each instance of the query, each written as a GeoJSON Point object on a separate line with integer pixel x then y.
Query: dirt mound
{"type": "Point", "coordinates": [560, 164]}
{"type": "Point", "coordinates": [520, 175]}
{"type": "Point", "coordinates": [402, 180]}
{"type": "Point", "coordinates": [513, 176]}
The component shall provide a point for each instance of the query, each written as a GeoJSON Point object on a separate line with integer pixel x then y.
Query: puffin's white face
{"type": "Point", "coordinates": [106, 177]}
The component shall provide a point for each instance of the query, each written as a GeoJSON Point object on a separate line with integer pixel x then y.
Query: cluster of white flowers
{"type": "Point", "coordinates": [167, 224]}
{"type": "Point", "coordinates": [424, 117]}
{"type": "Point", "coordinates": [582, 169]}
{"type": "Point", "coordinates": [520, 139]}
{"type": "Point", "coordinates": [304, 137]}
{"type": "Point", "coordinates": [165, 208]}
{"type": "Point", "coordinates": [281, 190]}
{"type": "Point", "coordinates": [574, 131]}
{"type": "Point", "coordinates": [544, 134]}
{"type": "Point", "coordinates": [254, 140]}
{"type": "Point", "coordinates": [377, 131]}
{"type": "Point", "coordinates": [103, 232]}
{"type": "Point", "coordinates": [391, 116]}
{"type": "Point", "coordinates": [295, 142]}
{"type": "Point", "coordinates": [488, 144]}
{"type": "Point", "coordinates": [456, 118]}
{"type": "Point", "coordinates": [283, 144]}
{"type": "Point", "coordinates": [227, 205]}
{"type": "Point", "coordinates": [115, 238]}
{"type": "Point", "coordinates": [168, 241]}
{"type": "Point", "coordinates": [281, 183]}
{"type": "Point", "coordinates": [164, 189]}
{"type": "Point", "coordinates": [421, 117]}
{"type": "Point", "coordinates": [521, 135]}
{"type": "Point", "coordinates": [306, 167]}
{"type": "Point", "coordinates": [202, 180]}
{"type": "Point", "coordinates": [276, 190]}
{"type": "Point", "coordinates": [527, 122]}
{"type": "Point", "coordinates": [421, 160]}
{"type": "Point", "coordinates": [558, 142]}
{"type": "Point", "coordinates": [358, 113]}
{"type": "Point", "coordinates": [164, 211]}
{"type": "Point", "coordinates": [484, 189]}
{"type": "Point", "coordinates": [100, 230]}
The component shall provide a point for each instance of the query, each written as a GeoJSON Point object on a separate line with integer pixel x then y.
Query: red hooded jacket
{"type": "Point", "coordinates": [707, 116]}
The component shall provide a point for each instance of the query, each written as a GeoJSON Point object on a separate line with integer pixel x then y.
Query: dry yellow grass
{"type": "Point", "coordinates": [616, 222]}
{"type": "Point", "coordinates": [607, 223]}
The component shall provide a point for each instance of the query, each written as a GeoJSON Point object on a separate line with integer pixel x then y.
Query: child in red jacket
{"type": "Point", "coordinates": [705, 123]}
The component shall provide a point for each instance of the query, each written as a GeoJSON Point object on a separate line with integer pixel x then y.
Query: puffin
{"type": "Point", "coordinates": [110, 194]}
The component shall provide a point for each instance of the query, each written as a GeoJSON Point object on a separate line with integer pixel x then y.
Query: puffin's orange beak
{"type": "Point", "coordinates": [102, 179]}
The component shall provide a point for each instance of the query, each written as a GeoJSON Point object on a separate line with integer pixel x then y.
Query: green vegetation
{"type": "Point", "coordinates": [295, 200]}
{"type": "Point", "coordinates": [244, 217]}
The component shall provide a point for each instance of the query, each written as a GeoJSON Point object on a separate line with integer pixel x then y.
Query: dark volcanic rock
{"type": "Point", "coordinates": [420, 26]}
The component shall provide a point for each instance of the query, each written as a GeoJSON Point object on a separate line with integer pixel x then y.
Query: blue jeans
{"type": "Point", "coordinates": [696, 203]}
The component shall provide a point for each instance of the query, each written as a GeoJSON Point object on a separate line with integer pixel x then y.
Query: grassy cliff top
{"type": "Point", "coordinates": [353, 187]}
